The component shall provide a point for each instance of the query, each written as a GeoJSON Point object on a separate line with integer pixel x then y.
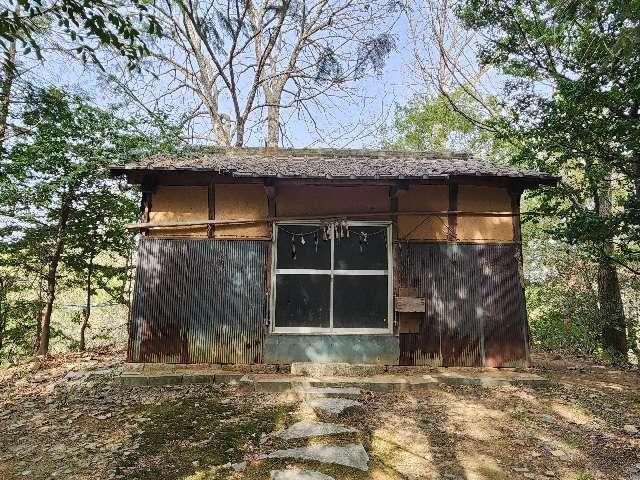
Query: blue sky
{"type": "Point", "coordinates": [341, 124]}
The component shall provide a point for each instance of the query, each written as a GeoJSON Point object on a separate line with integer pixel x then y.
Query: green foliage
{"type": "Point", "coordinates": [61, 164]}
{"type": "Point", "coordinates": [430, 123]}
{"type": "Point", "coordinates": [18, 316]}
{"type": "Point", "coordinates": [572, 107]}
{"type": "Point", "coordinates": [444, 123]}
{"type": "Point", "coordinates": [85, 24]}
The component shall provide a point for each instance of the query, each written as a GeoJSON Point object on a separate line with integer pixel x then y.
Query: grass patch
{"type": "Point", "coordinates": [185, 438]}
{"type": "Point", "coordinates": [519, 415]}
{"type": "Point", "coordinates": [573, 440]}
{"type": "Point", "coordinates": [584, 476]}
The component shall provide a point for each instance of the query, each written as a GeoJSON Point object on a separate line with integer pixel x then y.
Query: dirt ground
{"type": "Point", "coordinates": [58, 422]}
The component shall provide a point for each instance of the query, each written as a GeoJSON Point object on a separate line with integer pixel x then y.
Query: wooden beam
{"type": "Point", "coordinates": [246, 221]}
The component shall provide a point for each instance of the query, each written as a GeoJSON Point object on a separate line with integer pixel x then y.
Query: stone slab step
{"type": "Point", "coordinates": [350, 455]}
{"type": "Point", "coordinates": [298, 474]}
{"type": "Point", "coordinates": [377, 383]}
{"type": "Point", "coordinates": [313, 369]}
{"type": "Point", "coordinates": [341, 392]}
{"type": "Point", "coordinates": [310, 428]}
{"type": "Point", "coordinates": [334, 406]}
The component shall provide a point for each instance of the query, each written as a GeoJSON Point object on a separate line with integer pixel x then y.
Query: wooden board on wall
{"type": "Point", "coordinates": [179, 204]}
{"type": "Point", "coordinates": [303, 200]}
{"type": "Point", "coordinates": [409, 304]}
{"type": "Point", "coordinates": [483, 229]}
{"type": "Point", "coordinates": [421, 227]}
{"type": "Point", "coordinates": [233, 201]}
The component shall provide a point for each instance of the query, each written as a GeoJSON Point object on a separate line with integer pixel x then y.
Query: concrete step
{"type": "Point", "coordinates": [312, 369]}
{"type": "Point", "coordinates": [318, 387]}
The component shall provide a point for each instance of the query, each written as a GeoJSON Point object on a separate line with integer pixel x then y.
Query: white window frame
{"type": "Point", "coordinates": [331, 272]}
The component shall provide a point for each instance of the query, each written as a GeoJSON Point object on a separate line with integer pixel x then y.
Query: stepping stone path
{"type": "Point", "coordinates": [298, 474]}
{"type": "Point", "coordinates": [332, 405]}
{"type": "Point", "coordinates": [327, 400]}
{"type": "Point", "coordinates": [350, 455]}
{"type": "Point", "coordinates": [306, 429]}
{"type": "Point", "coordinates": [314, 392]}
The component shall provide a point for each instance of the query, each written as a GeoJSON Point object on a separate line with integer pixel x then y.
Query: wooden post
{"type": "Point", "coordinates": [515, 192]}
{"type": "Point", "coordinates": [452, 217]}
{"type": "Point", "coordinates": [145, 204]}
{"type": "Point", "coordinates": [211, 206]}
{"type": "Point", "coordinates": [394, 193]}
{"type": "Point", "coordinates": [272, 194]}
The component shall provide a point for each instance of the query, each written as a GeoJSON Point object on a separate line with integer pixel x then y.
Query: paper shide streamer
{"type": "Point", "coordinates": [338, 230]}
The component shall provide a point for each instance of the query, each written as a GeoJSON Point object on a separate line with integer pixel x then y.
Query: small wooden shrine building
{"type": "Point", "coordinates": [290, 255]}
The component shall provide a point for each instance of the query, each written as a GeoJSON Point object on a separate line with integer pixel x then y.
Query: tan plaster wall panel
{"type": "Point", "coordinates": [472, 228]}
{"type": "Point", "coordinates": [237, 201]}
{"type": "Point", "coordinates": [320, 200]}
{"type": "Point", "coordinates": [179, 204]}
{"type": "Point", "coordinates": [423, 198]}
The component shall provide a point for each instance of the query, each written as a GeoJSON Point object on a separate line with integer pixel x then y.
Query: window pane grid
{"type": "Point", "coordinates": [333, 272]}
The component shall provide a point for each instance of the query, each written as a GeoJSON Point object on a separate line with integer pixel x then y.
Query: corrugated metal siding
{"type": "Point", "coordinates": [505, 327]}
{"type": "Point", "coordinates": [474, 304]}
{"type": "Point", "coordinates": [199, 301]}
{"type": "Point", "coordinates": [204, 301]}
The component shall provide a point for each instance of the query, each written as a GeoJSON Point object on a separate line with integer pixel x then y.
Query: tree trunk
{"type": "Point", "coordinates": [614, 334]}
{"type": "Point", "coordinates": [8, 75]}
{"type": "Point", "coordinates": [612, 319]}
{"type": "Point", "coordinates": [87, 308]}
{"type": "Point", "coordinates": [38, 315]}
{"type": "Point", "coordinates": [273, 126]}
{"type": "Point", "coordinates": [4, 314]}
{"type": "Point", "coordinates": [65, 209]}
{"type": "Point", "coordinates": [239, 132]}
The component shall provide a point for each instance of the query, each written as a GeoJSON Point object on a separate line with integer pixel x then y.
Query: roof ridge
{"type": "Point", "coordinates": [327, 150]}
{"type": "Point", "coordinates": [332, 163]}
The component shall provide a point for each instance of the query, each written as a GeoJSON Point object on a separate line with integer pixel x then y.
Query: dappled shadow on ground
{"type": "Point", "coordinates": [580, 425]}
{"type": "Point", "coordinates": [556, 431]}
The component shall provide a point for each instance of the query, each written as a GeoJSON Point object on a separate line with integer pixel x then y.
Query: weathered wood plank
{"type": "Point", "coordinates": [410, 304]}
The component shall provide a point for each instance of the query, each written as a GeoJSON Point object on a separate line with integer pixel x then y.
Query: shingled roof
{"type": "Point", "coordinates": [331, 164]}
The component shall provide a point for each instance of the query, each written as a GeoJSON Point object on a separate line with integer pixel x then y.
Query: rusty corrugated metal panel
{"type": "Point", "coordinates": [199, 301]}
{"type": "Point", "coordinates": [503, 307]}
{"type": "Point", "coordinates": [473, 304]}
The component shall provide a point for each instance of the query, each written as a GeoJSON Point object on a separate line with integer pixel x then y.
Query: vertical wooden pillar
{"type": "Point", "coordinates": [272, 193]}
{"type": "Point", "coordinates": [515, 192]}
{"type": "Point", "coordinates": [394, 194]}
{"type": "Point", "coordinates": [452, 216]}
{"type": "Point", "coordinates": [211, 207]}
{"type": "Point", "coordinates": [270, 189]}
{"type": "Point", "coordinates": [145, 204]}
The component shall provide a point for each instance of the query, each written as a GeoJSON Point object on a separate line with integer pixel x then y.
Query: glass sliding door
{"type": "Point", "coordinates": [332, 278]}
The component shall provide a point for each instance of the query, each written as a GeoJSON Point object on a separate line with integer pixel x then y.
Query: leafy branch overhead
{"type": "Point", "coordinates": [86, 24]}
